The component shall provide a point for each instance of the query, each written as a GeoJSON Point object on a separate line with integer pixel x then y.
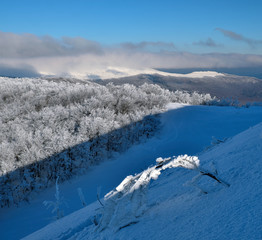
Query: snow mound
{"type": "Point", "coordinates": [187, 201]}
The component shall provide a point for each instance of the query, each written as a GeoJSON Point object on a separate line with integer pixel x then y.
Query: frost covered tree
{"type": "Point", "coordinates": [128, 201]}
{"type": "Point", "coordinates": [52, 128]}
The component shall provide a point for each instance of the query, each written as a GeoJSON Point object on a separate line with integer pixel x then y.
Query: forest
{"type": "Point", "coordinates": [51, 129]}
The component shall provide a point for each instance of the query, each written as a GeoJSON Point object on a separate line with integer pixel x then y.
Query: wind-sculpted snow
{"type": "Point", "coordinates": [59, 128]}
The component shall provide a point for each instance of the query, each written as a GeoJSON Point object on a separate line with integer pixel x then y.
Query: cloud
{"type": "Point", "coordinates": [207, 43]}
{"type": "Point", "coordinates": [30, 55]}
{"type": "Point", "coordinates": [149, 46]}
{"type": "Point", "coordinates": [87, 64]}
{"type": "Point", "coordinates": [238, 37]}
{"type": "Point", "coordinates": [29, 45]}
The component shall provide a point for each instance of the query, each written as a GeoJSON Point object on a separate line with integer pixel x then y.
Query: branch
{"type": "Point", "coordinates": [214, 177]}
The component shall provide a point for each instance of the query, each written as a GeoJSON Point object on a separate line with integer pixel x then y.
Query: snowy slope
{"type": "Point", "coordinates": [224, 213]}
{"type": "Point", "coordinates": [175, 210]}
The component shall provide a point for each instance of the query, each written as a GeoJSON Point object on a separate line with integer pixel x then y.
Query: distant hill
{"type": "Point", "coordinates": [244, 71]}
{"type": "Point", "coordinates": [243, 88]}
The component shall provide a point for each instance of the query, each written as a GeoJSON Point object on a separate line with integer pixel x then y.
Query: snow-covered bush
{"type": "Point", "coordinates": [54, 128]}
{"type": "Point", "coordinates": [123, 206]}
{"type": "Point", "coordinates": [81, 196]}
{"type": "Point", "coordinates": [127, 202]}
{"type": "Point", "coordinates": [224, 102]}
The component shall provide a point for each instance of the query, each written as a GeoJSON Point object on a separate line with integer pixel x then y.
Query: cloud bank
{"type": "Point", "coordinates": [32, 55]}
{"type": "Point", "coordinates": [29, 45]}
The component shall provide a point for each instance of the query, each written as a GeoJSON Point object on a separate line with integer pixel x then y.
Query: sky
{"type": "Point", "coordinates": [143, 33]}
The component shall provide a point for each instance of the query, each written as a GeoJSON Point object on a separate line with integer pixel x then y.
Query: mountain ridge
{"type": "Point", "coordinates": [241, 88]}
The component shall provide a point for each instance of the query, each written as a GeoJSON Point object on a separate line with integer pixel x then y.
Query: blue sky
{"type": "Point", "coordinates": [115, 21]}
{"type": "Point", "coordinates": [138, 33]}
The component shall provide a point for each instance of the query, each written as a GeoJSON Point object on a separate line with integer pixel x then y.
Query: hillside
{"type": "Point", "coordinates": [131, 120]}
{"type": "Point", "coordinates": [178, 205]}
{"type": "Point", "coordinates": [243, 88]}
{"type": "Point", "coordinates": [51, 128]}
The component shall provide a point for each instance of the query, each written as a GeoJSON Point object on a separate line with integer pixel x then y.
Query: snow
{"type": "Point", "coordinates": [67, 227]}
{"type": "Point", "coordinates": [174, 206]}
{"type": "Point", "coordinates": [223, 213]}
{"type": "Point", "coordinates": [117, 72]}
{"type": "Point", "coordinates": [177, 211]}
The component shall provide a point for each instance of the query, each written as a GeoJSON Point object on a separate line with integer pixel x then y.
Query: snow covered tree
{"type": "Point", "coordinates": [50, 127]}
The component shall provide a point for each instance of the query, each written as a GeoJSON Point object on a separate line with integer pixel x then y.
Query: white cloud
{"type": "Point", "coordinates": [78, 56]}
{"type": "Point", "coordinates": [29, 45]}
